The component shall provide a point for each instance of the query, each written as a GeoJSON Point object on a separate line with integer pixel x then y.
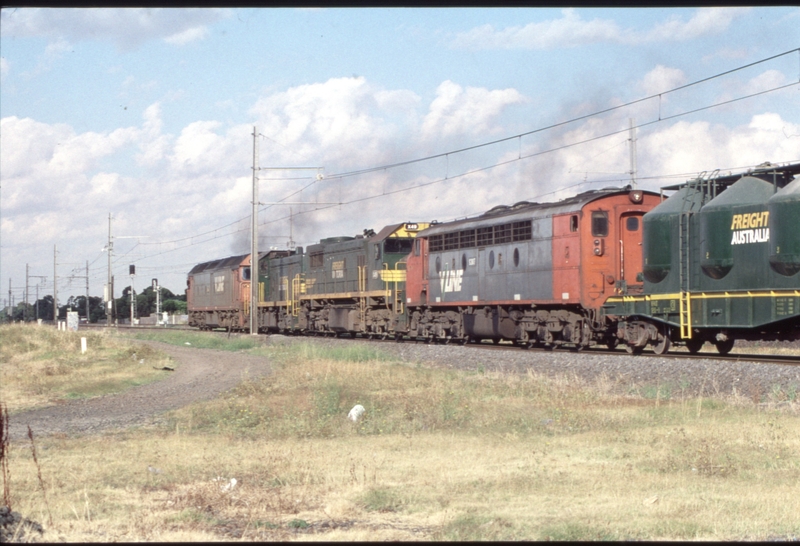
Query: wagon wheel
{"type": "Point", "coordinates": [724, 347]}
{"type": "Point", "coordinates": [663, 342]}
{"type": "Point", "coordinates": [694, 345]}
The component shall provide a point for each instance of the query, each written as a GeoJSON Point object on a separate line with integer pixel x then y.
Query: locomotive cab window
{"type": "Point", "coordinates": [632, 224]}
{"type": "Point", "coordinates": [599, 223]}
{"type": "Point", "coordinates": [573, 223]}
{"type": "Point", "coordinates": [245, 273]}
{"type": "Point", "coordinates": [398, 245]}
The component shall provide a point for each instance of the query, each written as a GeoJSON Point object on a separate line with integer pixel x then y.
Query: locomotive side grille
{"type": "Point", "coordinates": [485, 236]}
{"type": "Point", "coordinates": [522, 231]}
{"type": "Point", "coordinates": [482, 236]}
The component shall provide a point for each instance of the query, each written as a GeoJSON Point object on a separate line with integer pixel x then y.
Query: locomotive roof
{"type": "Point", "coordinates": [403, 229]}
{"type": "Point", "coordinates": [223, 263]}
{"type": "Point", "coordinates": [781, 175]}
{"type": "Point", "coordinates": [525, 208]}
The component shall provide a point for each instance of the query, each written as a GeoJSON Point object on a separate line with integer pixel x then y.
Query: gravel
{"type": "Point", "coordinates": [627, 374]}
{"type": "Point", "coordinates": [201, 374]}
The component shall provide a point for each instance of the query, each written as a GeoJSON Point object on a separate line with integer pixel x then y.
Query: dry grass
{"type": "Point", "coordinates": [41, 365]}
{"type": "Point", "coordinates": [440, 455]}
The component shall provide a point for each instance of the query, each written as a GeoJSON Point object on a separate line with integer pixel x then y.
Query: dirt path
{"type": "Point", "coordinates": [200, 374]}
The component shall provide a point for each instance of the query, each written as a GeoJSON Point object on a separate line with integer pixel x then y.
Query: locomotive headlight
{"type": "Point", "coordinates": [636, 196]}
{"type": "Point", "coordinates": [597, 251]}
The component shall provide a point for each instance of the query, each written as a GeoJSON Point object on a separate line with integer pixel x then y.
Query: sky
{"type": "Point", "coordinates": [365, 117]}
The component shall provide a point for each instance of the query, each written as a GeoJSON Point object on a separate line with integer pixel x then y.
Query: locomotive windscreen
{"type": "Point", "coordinates": [398, 246]}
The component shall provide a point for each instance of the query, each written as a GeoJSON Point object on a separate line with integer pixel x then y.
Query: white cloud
{"type": "Point", "coordinates": [705, 21]}
{"type": "Point", "coordinates": [568, 31]}
{"type": "Point", "coordinates": [571, 30]}
{"type": "Point", "coordinates": [766, 80]}
{"type": "Point", "coordinates": [466, 112]}
{"type": "Point", "coordinates": [660, 79]}
{"type": "Point", "coordinates": [341, 118]}
{"type": "Point", "coordinates": [188, 35]}
{"type": "Point", "coordinates": [125, 27]}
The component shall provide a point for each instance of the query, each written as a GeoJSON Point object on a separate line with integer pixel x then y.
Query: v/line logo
{"type": "Point", "coordinates": [450, 280]}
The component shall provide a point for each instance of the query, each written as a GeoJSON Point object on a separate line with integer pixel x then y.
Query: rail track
{"type": "Point", "coordinates": [791, 360]}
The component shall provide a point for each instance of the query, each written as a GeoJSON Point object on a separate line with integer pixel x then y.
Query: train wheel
{"type": "Point", "coordinates": [724, 347]}
{"type": "Point", "coordinates": [694, 345]}
{"type": "Point", "coordinates": [662, 343]}
{"type": "Point", "coordinates": [634, 350]}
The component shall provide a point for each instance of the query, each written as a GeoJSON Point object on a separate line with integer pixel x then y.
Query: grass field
{"type": "Point", "coordinates": [439, 455]}
{"type": "Point", "coordinates": [41, 366]}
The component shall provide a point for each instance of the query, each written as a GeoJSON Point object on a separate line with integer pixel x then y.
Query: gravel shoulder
{"type": "Point", "coordinates": [200, 374]}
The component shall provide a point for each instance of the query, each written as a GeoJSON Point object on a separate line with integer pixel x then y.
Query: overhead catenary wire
{"type": "Point", "coordinates": [336, 176]}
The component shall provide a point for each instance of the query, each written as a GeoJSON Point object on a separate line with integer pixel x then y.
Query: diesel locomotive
{"type": "Point", "coordinates": [717, 260]}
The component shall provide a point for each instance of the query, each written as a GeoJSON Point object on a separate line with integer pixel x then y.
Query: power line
{"type": "Point", "coordinates": [339, 176]}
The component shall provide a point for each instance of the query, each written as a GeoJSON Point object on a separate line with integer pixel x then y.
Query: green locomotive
{"type": "Point", "coordinates": [342, 285]}
{"type": "Point", "coordinates": [721, 263]}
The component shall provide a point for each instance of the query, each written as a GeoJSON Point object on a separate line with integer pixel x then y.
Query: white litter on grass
{"type": "Point", "coordinates": [187, 343]}
{"type": "Point", "coordinates": [225, 487]}
{"type": "Point", "coordinates": [356, 413]}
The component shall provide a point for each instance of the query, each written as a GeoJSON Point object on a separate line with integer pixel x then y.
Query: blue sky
{"type": "Point", "coordinates": [147, 114]}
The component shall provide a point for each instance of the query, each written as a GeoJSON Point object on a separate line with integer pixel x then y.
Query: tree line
{"type": "Point", "coordinates": [145, 306]}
